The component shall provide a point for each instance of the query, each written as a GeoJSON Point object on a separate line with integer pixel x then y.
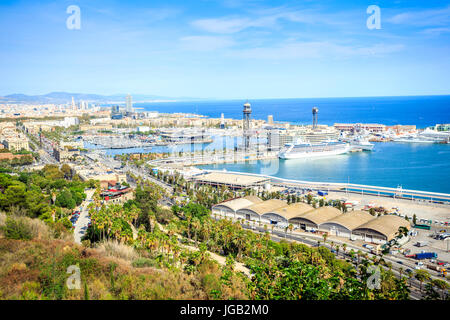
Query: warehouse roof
{"type": "Point", "coordinates": [265, 206]}
{"type": "Point", "coordinates": [319, 215]}
{"type": "Point", "coordinates": [352, 219]}
{"type": "Point", "coordinates": [292, 210]}
{"type": "Point", "coordinates": [386, 225]}
{"type": "Point", "coordinates": [239, 203]}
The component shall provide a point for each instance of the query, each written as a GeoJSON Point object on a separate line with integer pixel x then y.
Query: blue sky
{"type": "Point", "coordinates": [226, 48]}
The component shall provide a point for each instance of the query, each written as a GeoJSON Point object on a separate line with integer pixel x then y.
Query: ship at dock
{"type": "Point", "coordinates": [361, 143]}
{"type": "Point", "coordinates": [302, 149]}
{"type": "Point", "coordinates": [426, 136]}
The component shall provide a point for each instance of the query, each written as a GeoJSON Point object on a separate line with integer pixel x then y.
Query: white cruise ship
{"type": "Point", "coordinates": [307, 150]}
{"type": "Point", "coordinates": [426, 136]}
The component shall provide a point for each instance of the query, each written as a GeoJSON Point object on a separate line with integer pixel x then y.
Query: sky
{"type": "Point", "coordinates": [226, 49]}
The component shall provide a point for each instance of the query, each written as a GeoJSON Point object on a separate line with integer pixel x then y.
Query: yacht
{"type": "Point", "coordinates": [302, 149]}
{"type": "Point", "coordinates": [361, 143]}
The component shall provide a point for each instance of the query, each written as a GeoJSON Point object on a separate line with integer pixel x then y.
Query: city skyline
{"type": "Point", "coordinates": [226, 49]}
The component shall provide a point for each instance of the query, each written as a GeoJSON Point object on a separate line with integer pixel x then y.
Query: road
{"type": "Point", "coordinates": [83, 220]}
{"type": "Point", "coordinates": [145, 173]}
{"type": "Point", "coordinates": [312, 240]}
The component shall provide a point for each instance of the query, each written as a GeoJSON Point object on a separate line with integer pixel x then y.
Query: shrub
{"type": "Point", "coordinates": [38, 229]}
{"type": "Point", "coordinates": [24, 228]}
{"type": "Point", "coordinates": [16, 229]}
{"type": "Point", "coordinates": [144, 262]}
{"type": "Point", "coordinates": [116, 249]}
{"type": "Point", "coordinates": [211, 285]}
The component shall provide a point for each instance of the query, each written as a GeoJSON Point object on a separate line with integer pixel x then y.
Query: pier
{"type": "Point", "coordinates": [413, 195]}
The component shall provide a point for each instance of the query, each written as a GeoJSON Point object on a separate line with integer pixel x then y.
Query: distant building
{"type": "Point", "coordinates": [116, 193]}
{"type": "Point", "coordinates": [222, 121]}
{"type": "Point", "coordinates": [71, 144]}
{"type": "Point", "coordinates": [129, 102]}
{"type": "Point", "coordinates": [442, 127]}
{"type": "Point", "coordinates": [151, 114]}
{"type": "Point", "coordinates": [63, 154]}
{"type": "Point", "coordinates": [70, 121]}
{"type": "Point", "coordinates": [402, 128]}
{"type": "Point", "coordinates": [16, 143]}
{"type": "Point", "coordinates": [352, 127]}
{"type": "Point", "coordinates": [115, 113]}
{"type": "Point", "coordinates": [277, 138]}
{"type": "Point", "coordinates": [270, 119]}
{"type": "Point", "coordinates": [143, 129]}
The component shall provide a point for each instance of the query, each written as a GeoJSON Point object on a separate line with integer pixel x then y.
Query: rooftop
{"type": "Point", "coordinates": [293, 210]}
{"type": "Point", "coordinates": [266, 206]}
{"type": "Point", "coordinates": [352, 219]}
{"type": "Point", "coordinates": [387, 225]}
{"type": "Point", "coordinates": [231, 179]}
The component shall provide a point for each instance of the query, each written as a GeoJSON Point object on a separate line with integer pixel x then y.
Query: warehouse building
{"type": "Point", "coordinates": [313, 219]}
{"type": "Point", "coordinates": [281, 216]}
{"type": "Point", "coordinates": [381, 229]}
{"type": "Point", "coordinates": [344, 224]}
{"type": "Point", "coordinates": [255, 211]}
{"type": "Point", "coordinates": [228, 208]}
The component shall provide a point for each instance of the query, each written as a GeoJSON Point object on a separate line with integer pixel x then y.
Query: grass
{"type": "Point", "coordinates": [113, 248]}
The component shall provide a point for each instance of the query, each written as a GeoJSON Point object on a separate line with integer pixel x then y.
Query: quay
{"type": "Point", "coordinates": [396, 193]}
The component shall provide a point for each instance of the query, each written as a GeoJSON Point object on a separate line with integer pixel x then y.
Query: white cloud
{"type": "Point", "coordinates": [222, 25]}
{"type": "Point", "coordinates": [264, 19]}
{"type": "Point", "coordinates": [436, 31]}
{"type": "Point", "coordinates": [205, 43]}
{"type": "Point", "coordinates": [432, 17]}
{"type": "Point", "coordinates": [312, 50]}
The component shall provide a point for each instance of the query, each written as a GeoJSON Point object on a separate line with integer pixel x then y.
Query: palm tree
{"type": "Point", "coordinates": [410, 276]}
{"type": "Point", "coordinates": [441, 284]}
{"type": "Point", "coordinates": [344, 247]}
{"type": "Point", "coordinates": [400, 270]}
{"type": "Point", "coordinates": [421, 276]}
{"type": "Point", "coordinates": [359, 254]}
{"type": "Point", "coordinates": [325, 236]}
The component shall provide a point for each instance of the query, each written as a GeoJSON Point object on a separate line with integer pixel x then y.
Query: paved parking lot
{"type": "Point", "coordinates": [434, 245]}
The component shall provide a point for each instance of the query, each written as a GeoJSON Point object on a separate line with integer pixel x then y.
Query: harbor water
{"type": "Point", "coordinates": [413, 166]}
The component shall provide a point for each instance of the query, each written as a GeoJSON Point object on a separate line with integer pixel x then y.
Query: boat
{"type": "Point", "coordinates": [302, 149]}
{"type": "Point", "coordinates": [426, 136]}
{"type": "Point", "coordinates": [417, 139]}
{"type": "Point", "coordinates": [361, 143]}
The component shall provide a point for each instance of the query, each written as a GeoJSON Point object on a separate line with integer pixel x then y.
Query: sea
{"type": "Point", "coordinates": [410, 165]}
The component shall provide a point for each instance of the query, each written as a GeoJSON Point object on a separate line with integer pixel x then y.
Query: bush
{"type": "Point", "coordinates": [116, 249]}
{"type": "Point", "coordinates": [144, 263]}
{"type": "Point", "coordinates": [24, 228]}
{"type": "Point", "coordinates": [17, 229]}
